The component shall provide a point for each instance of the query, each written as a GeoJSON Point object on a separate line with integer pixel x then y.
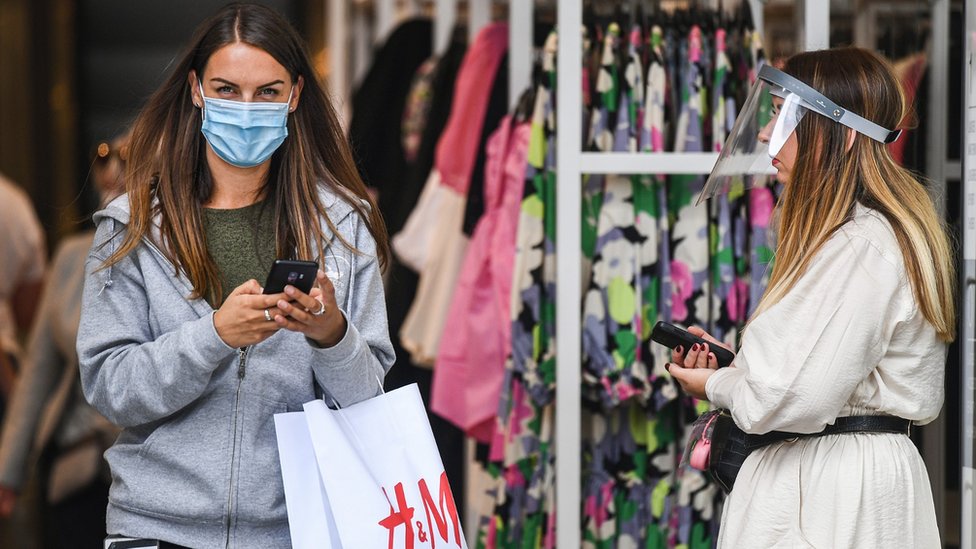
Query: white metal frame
{"type": "Point", "coordinates": [445, 15]}
{"type": "Point", "coordinates": [569, 169]}
{"type": "Point", "coordinates": [936, 149]}
{"type": "Point", "coordinates": [967, 328]}
{"type": "Point", "coordinates": [336, 19]}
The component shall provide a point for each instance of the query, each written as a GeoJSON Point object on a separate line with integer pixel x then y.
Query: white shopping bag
{"type": "Point", "coordinates": [382, 472]}
{"type": "Point", "coordinates": [310, 518]}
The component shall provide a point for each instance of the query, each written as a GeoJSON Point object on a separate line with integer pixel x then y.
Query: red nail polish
{"type": "Point", "coordinates": [694, 347]}
{"type": "Point", "coordinates": [679, 349]}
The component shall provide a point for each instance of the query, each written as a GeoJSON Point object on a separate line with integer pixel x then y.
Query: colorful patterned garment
{"type": "Point", "coordinates": [417, 108]}
{"type": "Point", "coordinates": [612, 368]}
{"type": "Point", "coordinates": [630, 424]}
{"type": "Point", "coordinates": [521, 460]}
{"type": "Point", "coordinates": [728, 289]}
{"type": "Point", "coordinates": [657, 84]}
{"type": "Point", "coordinates": [634, 77]}
{"type": "Point", "coordinates": [693, 517]}
{"type": "Point", "coordinates": [653, 124]}
{"type": "Point", "coordinates": [762, 196]}
{"type": "Point", "coordinates": [607, 87]}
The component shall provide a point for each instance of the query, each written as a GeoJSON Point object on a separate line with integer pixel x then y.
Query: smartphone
{"type": "Point", "coordinates": [300, 274]}
{"type": "Point", "coordinates": [671, 336]}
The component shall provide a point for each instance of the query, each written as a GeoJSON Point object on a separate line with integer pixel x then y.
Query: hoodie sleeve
{"type": "Point", "coordinates": [128, 373]}
{"type": "Point", "coordinates": [353, 369]}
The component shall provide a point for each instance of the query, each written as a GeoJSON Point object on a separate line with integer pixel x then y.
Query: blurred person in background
{"type": "Point", "coordinates": [22, 262]}
{"type": "Point", "coordinates": [49, 421]}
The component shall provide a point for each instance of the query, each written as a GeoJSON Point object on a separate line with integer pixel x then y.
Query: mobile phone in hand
{"type": "Point", "coordinates": [298, 273]}
{"type": "Point", "coordinates": [671, 336]}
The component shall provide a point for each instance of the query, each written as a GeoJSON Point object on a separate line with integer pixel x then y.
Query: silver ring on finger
{"type": "Point", "coordinates": [321, 309]}
{"type": "Point", "coordinates": [267, 315]}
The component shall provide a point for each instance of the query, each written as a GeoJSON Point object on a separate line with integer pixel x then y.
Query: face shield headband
{"type": "Point", "coordinates": [785, 86]}
{"type": "Point", "coordinates": [744, 160]}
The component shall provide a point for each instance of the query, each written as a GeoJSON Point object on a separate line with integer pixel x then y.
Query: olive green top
{"type": "Point", "coordinates": [241, 242]}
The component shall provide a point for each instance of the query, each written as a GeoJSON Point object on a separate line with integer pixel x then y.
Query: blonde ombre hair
{"type": "Point", "coordinates": [828, 180]}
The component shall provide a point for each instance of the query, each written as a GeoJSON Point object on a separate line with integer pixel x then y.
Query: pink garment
{"type": "Point", "coordinates": [477, 335]}
{"type": "Point", "coordinates": [910, 71]}
{"type": "Point", "coordinates": [457, 147]}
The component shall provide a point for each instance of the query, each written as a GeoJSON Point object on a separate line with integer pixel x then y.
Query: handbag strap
{"type": "Point", "coordinates": [704, 433]}
{"type": "Point", "coordinates": [846, 424]}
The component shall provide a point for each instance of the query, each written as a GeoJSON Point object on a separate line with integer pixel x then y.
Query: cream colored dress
{"type": "Point", "coordinates": [849, 339]}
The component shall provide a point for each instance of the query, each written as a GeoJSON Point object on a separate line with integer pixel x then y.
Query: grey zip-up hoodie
{"type": "Point", "coordinates": [197, 461]}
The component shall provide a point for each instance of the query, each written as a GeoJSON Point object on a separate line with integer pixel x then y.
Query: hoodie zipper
{"type": "Point", "coordinates": [241, 372]}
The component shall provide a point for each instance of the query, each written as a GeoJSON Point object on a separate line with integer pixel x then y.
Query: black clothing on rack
{"type": "Point", "coordinates": [474, 208]}
{"type": "Point", "coordinates": [378, 104]}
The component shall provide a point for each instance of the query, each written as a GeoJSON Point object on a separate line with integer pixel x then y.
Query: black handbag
{"type": "Point", "coordinates": [718, 447]}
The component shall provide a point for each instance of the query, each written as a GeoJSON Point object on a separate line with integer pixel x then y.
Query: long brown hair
{"type": "Point", "coordinates": [167, 174]}
{"type": "Point", "coordinates": [828, 180]}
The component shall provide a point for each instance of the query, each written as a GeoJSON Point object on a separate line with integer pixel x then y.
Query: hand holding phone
{"type": "Point", "coordinates": [300, 274]}
{"type": "Point", "coordinates": [673, 336]}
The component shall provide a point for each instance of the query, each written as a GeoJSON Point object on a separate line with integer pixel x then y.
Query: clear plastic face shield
{"type": "Point", "coordinates": [775, 105]}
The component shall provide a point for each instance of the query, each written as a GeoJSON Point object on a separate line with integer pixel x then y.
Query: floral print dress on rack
{"type": "Point", "coordinates": [521, 455]}
{"type": "Point", "coordinates": [630, 416]}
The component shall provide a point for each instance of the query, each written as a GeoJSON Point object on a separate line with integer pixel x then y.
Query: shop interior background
{"type": "Point", "coordinates": [73, 72]}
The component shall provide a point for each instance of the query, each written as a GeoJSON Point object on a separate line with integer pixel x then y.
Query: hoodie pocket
{"type": "Point", "coordinates": [260, 492]}
{"type": "Point", "coordinates": [180, 470]}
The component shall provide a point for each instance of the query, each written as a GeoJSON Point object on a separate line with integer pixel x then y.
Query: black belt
{"type": "Point", "coordinates": [847, 424]}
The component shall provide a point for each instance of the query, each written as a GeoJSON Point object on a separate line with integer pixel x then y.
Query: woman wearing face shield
{"type": "Point", "coordinates": [238, 159]}
{"type": "Point", "coordinates": [847, 347]}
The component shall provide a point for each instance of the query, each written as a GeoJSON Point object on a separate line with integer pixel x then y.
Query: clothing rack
{"type": "Point", "coordinates": [572, 163]}
{"type": "Point", "coordinates": [445, 16]}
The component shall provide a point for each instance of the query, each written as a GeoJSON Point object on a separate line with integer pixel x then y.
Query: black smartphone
{"type": "Point", "coordinates": [298, 273]}
{"type": "Point", "coordinates": [671, 336]}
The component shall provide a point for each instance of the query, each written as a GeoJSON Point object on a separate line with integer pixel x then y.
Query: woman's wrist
{"type": "Point", "coordinates": [335, 336]}
{"type": "Point", "coordinates": [718, 386]}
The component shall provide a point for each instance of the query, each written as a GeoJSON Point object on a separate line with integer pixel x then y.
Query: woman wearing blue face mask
{"type": "Point", "coordinates": [238, 159]}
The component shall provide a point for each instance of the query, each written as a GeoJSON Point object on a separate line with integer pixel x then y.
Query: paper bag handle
{"type": "Point", "coordinates": [358, 445]}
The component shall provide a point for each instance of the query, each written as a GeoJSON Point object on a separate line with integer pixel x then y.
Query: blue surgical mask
{"type": "Point", "coordinates": [244, 134]}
